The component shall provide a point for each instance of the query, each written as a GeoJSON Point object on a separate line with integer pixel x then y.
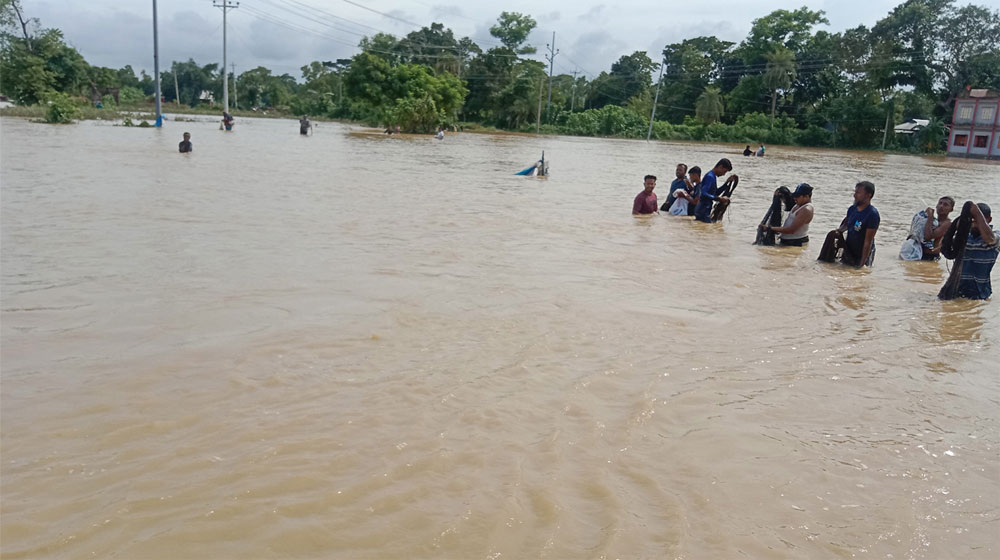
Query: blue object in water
{"type": "Point", "coordinates": [539, 167]}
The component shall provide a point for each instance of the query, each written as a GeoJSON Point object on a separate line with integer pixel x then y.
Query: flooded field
{"type": "Point", "coordinates": [357, 346]}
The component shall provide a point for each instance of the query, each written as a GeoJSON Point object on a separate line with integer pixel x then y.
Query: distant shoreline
{"type": "Point", "coordinates": [139, 113]}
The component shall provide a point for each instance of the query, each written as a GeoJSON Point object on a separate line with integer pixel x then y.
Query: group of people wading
{"type": "Point", "coordinates": [969, 240]}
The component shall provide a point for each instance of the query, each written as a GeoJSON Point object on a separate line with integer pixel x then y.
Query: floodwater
{"type": "Point", "coordinates": [357, 346]}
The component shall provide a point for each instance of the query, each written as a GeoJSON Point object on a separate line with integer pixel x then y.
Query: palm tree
{"type": "Point", "coordinates": [779, 74]}
{"type": "Point", "coordinates": [708, 107]}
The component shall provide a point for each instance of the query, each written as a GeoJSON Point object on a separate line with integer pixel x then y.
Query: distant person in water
{"type": "Point", "coordinates": [710, 190]}
{"type": "Point", "coordinates": [747, 152]}
{"type": "Point", "coordinates": [304, 125]}
{"type": "Point", "coordinates": [645, 202]}
{"type": "Point", "coordinates": [795, 230]}
{"type": "Point", "coordinates": [760, 151]}
{"type": "Point", "coordinates": [185, 146]}
{"type": "Point", "coordinates": [860, 224]}
{"type": "Point", "coordinates": [227, 120]}
{"type": "Point", "coordinates": [440, 134]}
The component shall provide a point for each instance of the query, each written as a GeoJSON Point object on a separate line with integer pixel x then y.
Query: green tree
{"type": "Point", "coordinates": [381, 44]}
{"type": "Point", "coordinates": [259, 88]}
{"type": "Point", "coordinates": [779, 73]}
{"type": "Point", "coordinates": [512, 29]}
{"type": "Point", "coordinates": [931, 137]}
{"type": "Point", "coordinates": [39, 65]}
{"type": "Point", "coordinates": [630, 76]}
{"type": "Point", "coordinates": [791, 30]}
{"type": "Point", "coordinates": [691, 66]}
{"type": "Point", "coordinates": [408, 94]}
{"type": "Point", "coordinates": [708, 106]}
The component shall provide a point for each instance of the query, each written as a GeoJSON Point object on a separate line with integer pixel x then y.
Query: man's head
{"type": "Point", "coordinates": [649, 181]}
{"type": "Point", "coordinates": [724, 166]}
{"type": "Point", "coordinates": [681, 170]}
{"type": "Point", "coordinates": [695, 174]}
{"type": "Point", "coordinates": [863, 192]}
{"type": "Point", "coordinates": [945, 205]}
{"type": "Point", "coordinates": [187, 136]}
{"type": "Point", "coordinates": [985, 209]}
{"type": "Point", "coordinates": [803, 193]}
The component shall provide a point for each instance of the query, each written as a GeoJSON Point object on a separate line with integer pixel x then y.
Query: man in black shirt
{"type": "Point", "coordinates": [185, 146]}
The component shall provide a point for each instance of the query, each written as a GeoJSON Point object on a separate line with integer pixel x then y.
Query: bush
{"type": "Point", "coordinates": [129, 95]}
{"type": "Point", "coordinates": [61, 108]}
{"type": "Point", "coordinates": [815, 136]}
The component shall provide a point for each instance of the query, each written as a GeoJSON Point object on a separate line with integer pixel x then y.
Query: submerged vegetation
{"type": "Point", "coordinates": [788, 82]}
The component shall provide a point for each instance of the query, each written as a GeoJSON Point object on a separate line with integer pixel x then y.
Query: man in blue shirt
{"type": "Point", "coordinates": [981, 252]}
{"type": "Point", "coordinates": [710, 190]}
{"type": "Point", "coordinates": [861, 223]}
{"type": "Point", "coordinates": [678, 183]}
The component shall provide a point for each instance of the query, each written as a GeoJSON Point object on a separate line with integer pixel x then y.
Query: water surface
{"type": "Point", "coordinates": [357, 346]}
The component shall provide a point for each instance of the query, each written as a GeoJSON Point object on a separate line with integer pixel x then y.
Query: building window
{"type": "Point", "coordinates": [965, 112]}
{"type": "Point", "coordinates": [986, 114]}
{"type": "Point", "coordinates": [981, 141]}
{"type": "Point", "coordinates": [961, 139]}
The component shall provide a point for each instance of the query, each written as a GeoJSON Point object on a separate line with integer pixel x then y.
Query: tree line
{"type": "Point", "coordinates": [789, 81]}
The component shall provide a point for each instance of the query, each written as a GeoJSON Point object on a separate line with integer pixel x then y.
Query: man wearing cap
{"type": "Point", "coordinates": [795, 231]}
{"type": "Point", "coordinates": [981, 252]}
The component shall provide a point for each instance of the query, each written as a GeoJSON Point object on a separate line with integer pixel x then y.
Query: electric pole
{"type": "Point", "coordinates": [156, 67]}
{"type": "Point", "coordinates": [656, 98]}
{"type": "Point", "coordinates": [538, 115]}
{"type": "Point", "coordinates": [572, 101]}
{"type": "Point", "coordinates": [226, 5]}
{"type": "Point", "coordinates": [177, 90]}
{"type": "Point", "coordinates": [551, 57]}
{"type": "Point", "coordinates": [236, 99]}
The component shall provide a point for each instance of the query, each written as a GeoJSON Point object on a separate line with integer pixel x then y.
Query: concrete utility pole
{"type": "Point", "coordinates": [177, 90]}
{"type": "Point", "coordinates": [156, 67]}
{"type": "Point", "coordinates": [226, 5]}
{"type": "Point", "coordinates": [236, 100]}
{"type": "Point", "coordinates": [538, 115]}
{"type": "Point", "coordinates": [551, 57]}
{"type": "Point", "coordinates": [656, 98]}
{"type": "Point", "coordinates": [572, 101]}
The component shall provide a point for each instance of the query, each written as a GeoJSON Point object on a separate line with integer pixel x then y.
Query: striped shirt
{"type": "Point", "coordinates": [976, 267]}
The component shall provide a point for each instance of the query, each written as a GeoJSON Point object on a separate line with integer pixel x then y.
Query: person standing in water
{"type": "Point", "coordinates": [861, 224]}
{"type": "Point", "coordinates": [227, 120]}
{"type": "Point", "coordinates": [795, 230]}
{"type": "Point", "coordinates": [679, 183]}
{"type": "Point", "coordinates": [304, 125]}
{"type": "Point", "coordinates": [747, 151]}
{"type": "Point", "coordinates": [185, 146]}
{"type": "Point", "coordinates": [927, 231]}
{"type": "Point", "coordinates": [710, 190]}
{"type": "Point", "coordinates": [981, 250]}
{"type": "Point", "coordinates": [645, 202]}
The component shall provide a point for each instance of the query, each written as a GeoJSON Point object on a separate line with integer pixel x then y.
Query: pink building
{"type": "Point", "coordinates": [975, 128]}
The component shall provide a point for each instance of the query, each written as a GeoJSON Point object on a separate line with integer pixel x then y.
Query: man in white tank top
{"type": "Point", "coordinates": [795, 230]}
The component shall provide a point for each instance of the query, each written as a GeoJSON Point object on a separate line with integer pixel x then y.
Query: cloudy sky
{"type": "Point", "coordinates": [286, 34]}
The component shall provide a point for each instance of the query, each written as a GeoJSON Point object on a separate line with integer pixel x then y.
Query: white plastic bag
{"type": "Point", "coordinates": [911, 250]}
{"type": "Point", "coordinates": [679, 207]}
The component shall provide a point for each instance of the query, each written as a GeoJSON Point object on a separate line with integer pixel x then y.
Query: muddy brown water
{"type": "Point", "coordinates": [358, 346]}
